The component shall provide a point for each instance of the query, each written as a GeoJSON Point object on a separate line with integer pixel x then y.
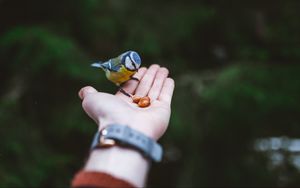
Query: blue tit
{"type": "Point", "coordinates": [120, 69]}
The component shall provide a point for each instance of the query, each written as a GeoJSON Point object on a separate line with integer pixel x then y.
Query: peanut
{"type": "Point", "coordinates": [136, 99]}
{"type": "Point", "coordinates": [144, 102]}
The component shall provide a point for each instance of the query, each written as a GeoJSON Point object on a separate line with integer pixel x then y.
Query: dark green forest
{"type": "Point", "coordinates": [236, 107]}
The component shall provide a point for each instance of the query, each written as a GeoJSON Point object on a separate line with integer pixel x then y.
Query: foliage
{"type": "Point", "coordinates": [233, 63]}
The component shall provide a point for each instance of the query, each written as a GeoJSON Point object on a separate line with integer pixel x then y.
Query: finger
{"type": "Point", "coordinates": [146, 82]}
{"type": "Point", "coordinates": [83, 92]}
{"type": "Point", "coordinates": [167, 91]}
{"type": "Point", "coordinates": [131, 85]}
{"type": "Point", "coordinates": [160, 77]}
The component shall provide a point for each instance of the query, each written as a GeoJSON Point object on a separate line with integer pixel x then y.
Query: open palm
{"type": "Point", "coordinates": [106, 108]}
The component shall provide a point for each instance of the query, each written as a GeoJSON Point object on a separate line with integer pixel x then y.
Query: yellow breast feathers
{"type": "Point", "coordinates": [121, 76]}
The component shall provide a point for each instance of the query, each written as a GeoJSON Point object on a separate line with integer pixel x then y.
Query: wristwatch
{"type": "Point", "coordinates": [116, 134]}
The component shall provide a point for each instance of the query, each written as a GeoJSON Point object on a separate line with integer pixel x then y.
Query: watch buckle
{"type": "Point", "coordinates": [107, 142]}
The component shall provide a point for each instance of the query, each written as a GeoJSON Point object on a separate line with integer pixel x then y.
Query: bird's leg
{"type": "Point", "coordinates": [123, 91]}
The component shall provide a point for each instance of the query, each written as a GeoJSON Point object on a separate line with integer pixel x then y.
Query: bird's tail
{"type": "Point", "coordinates": [97, 64]}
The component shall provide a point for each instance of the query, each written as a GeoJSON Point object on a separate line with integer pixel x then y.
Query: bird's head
{"type": "Point", "coordinates": [131, 60]}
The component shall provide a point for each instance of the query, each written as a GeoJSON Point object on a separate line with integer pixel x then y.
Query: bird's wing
{"type": "Point", "coordinates": [112, 65]}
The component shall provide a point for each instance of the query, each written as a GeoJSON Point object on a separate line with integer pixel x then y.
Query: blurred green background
{"type": "Point", "coordinates": [236, 109]}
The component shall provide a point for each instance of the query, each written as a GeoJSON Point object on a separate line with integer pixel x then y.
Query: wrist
{"type": "Point", "coordinates": [120, 162]}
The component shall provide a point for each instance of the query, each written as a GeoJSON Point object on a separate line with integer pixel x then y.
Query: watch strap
{"type": "Point", "coordinates": [127, 136]}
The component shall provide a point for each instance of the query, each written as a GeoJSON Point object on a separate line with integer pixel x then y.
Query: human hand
{"type": "Point", "coordinates": [153, 121]}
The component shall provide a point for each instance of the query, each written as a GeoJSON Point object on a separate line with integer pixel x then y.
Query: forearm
{"type": "Point", "coordinates": [123, 163]}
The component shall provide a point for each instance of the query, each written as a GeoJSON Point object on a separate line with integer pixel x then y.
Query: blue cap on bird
{"type": "Point", "coordinates": [131, 60]}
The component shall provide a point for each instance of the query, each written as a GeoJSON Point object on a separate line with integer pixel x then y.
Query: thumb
{"type": "Point", "coordinates": [83, 92]}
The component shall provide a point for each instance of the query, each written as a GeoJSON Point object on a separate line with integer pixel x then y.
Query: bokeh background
{"type": "Point", "coordinates": [236, 109]}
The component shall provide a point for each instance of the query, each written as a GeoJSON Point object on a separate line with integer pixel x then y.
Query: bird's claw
{"type": "Point", "coordinates": [134, 78]}
{"type": "Point", "coordinates": [124, 92]}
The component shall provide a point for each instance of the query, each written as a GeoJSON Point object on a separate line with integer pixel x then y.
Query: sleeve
{"type": "Point", "coordinates": [96, 180]}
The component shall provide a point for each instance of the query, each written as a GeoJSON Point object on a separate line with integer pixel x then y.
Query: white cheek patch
{"type": "Point", "coordinates": [128, 63]}
{"type": "Point", "coordinates": [136, 65]}
{"type": "Point", "coordinates": [136, 60]}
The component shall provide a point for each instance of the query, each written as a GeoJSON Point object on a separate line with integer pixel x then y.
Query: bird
{"type": "Point", "coordinates": [121, 68]}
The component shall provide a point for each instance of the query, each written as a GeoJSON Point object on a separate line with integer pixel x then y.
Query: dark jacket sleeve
{"type": "Point", "coordinates": [96, 180]}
